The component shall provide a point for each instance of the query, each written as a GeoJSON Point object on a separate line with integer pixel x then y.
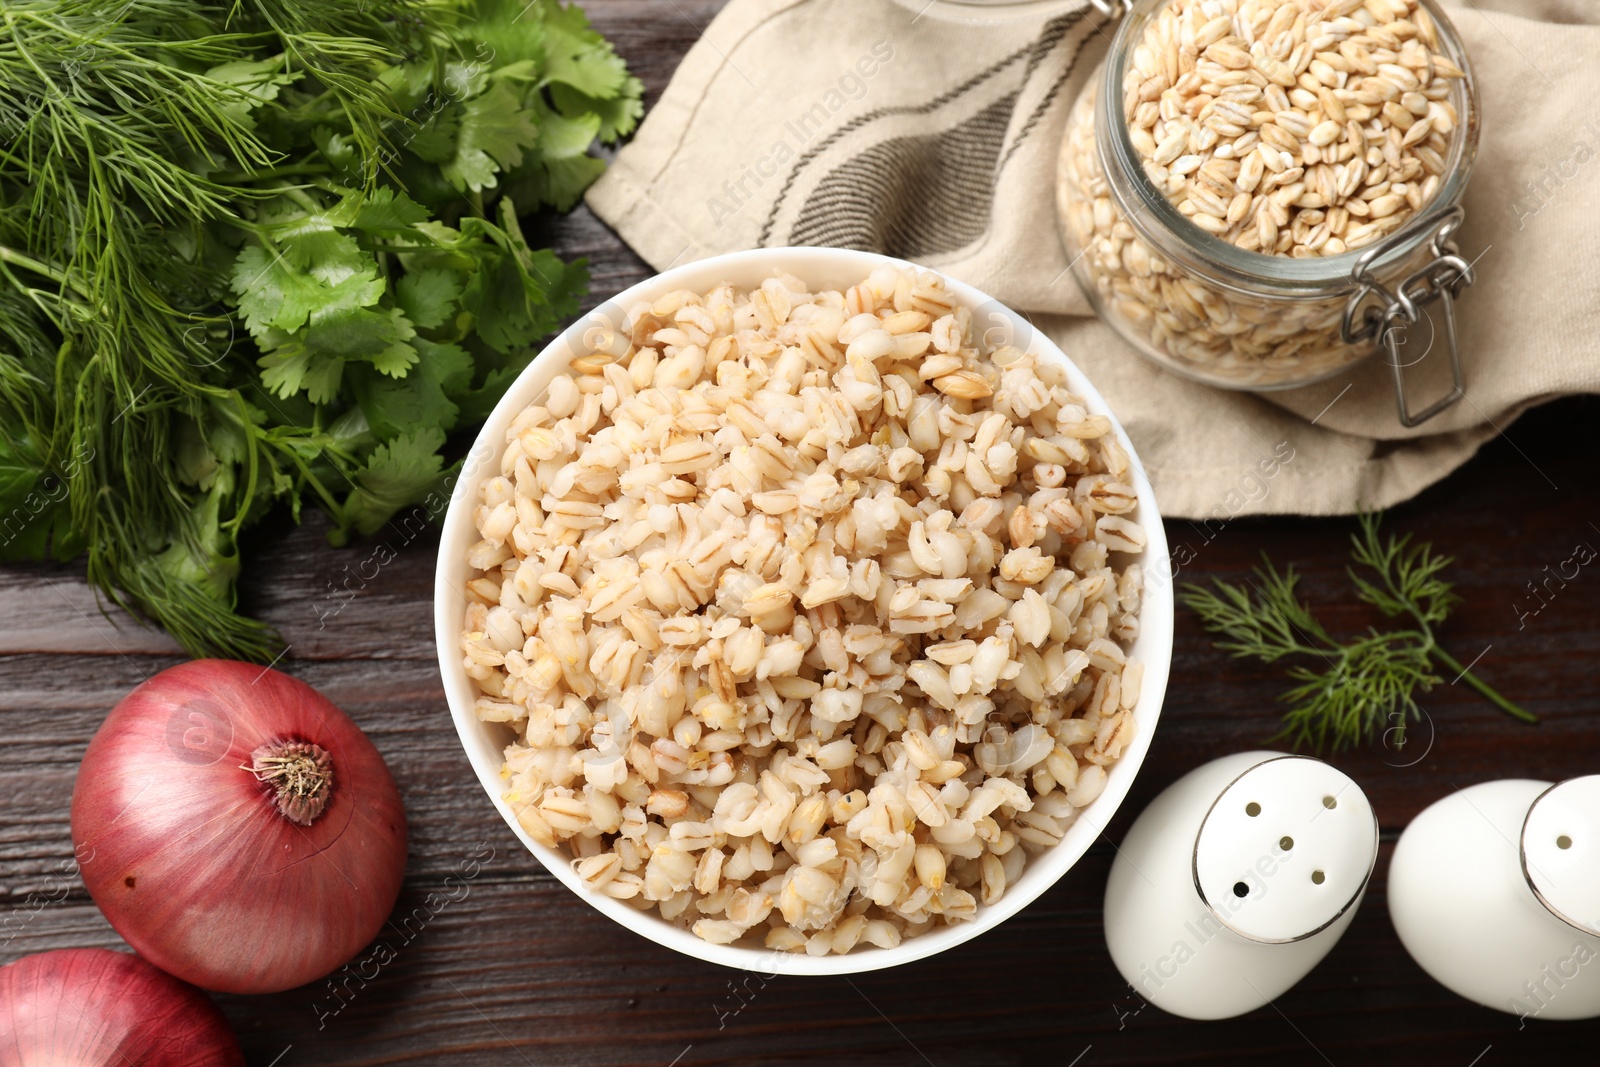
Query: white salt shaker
{"type": "Point", "coordinates": [1236, 881]}
{"type": "Point", "coordinates": [1495, 891]}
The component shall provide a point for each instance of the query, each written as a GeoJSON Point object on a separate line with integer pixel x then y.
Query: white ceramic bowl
{"type": "Point", "coordinates": [485, 742]}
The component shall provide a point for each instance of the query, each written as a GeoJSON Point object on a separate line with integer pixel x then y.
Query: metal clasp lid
{"type": "Point", "coordinates": [1383, 322]}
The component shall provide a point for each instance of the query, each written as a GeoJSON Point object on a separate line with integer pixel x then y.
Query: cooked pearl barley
{"type": "Point", "coordinates": [805, 612]}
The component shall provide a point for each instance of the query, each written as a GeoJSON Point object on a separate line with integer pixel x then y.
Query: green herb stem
{"type": "Point", "coordinates": [44, 270]}
{"type": "Point", "coordinates": [288, 170]}
{"type": "Point", "coordinates": [202, 318]}
{"type": "Point", "coordinates": [1367, 686]}
{"type": "Point", "coordinates": [1488, 691]}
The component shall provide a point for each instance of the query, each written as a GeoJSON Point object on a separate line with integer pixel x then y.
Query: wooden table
{"type": "Point", "coordinates": [513, 969]}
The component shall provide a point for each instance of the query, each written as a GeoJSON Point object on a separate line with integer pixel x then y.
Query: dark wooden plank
{"type": "Point", "coordinates": [515, 971]}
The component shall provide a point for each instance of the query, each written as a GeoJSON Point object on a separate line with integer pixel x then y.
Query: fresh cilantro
{"type": "Point", "coordinates": [577, 56]}
{"type": "Point", "coordinates": [388, 211]}
{"type": "Point", "coordinates": [422, 398]}
{"type": "Point", "coordinates": [428, 296]}
{"type": "Point", "coordinates": [292, 368]}
{"type": "Point", "coordinates": [618, 115]}
{"type": "Point", "coordinates": [35, 522]}
{"type": "Point", "coordinates": [436, 139]}
{"type": "Point", "coordinates": [494, 130]}
{"type": "Point", "coordinates": [284, 275]}
{"type": "Point", "coordinates": [401, 472]}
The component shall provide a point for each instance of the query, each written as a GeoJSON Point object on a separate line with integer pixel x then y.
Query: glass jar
{"type": "Point", "coordinates": [1206, 309]}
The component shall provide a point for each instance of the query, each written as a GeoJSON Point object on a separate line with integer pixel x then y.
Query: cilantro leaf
{"type": "Point", "coordinates": [395, 360]}
{"type": "Point", "coordinates": [20, 471]}
{"type": "Point", "coordinates": [336, 149]}
{"type": "Point", "coordinates": [379, 336]}
{"type": "Point", "coordinates": [226, 430]}
{"type": "Point", "coordinates": [399, 472]}
{"type": "Point", "coordinates": [273, 293]}
{"type": "Point", "coordinates": [465, 79]}
{"type": "Point", "coordinates": [514, 306]}
{"type": "Point", "coordinates": [449, 365]}
{"type": "Point", "coordinates": [428, 296]}
{"type": "Point", "coordinates": [350, 433]}
{"type": "Point", "coordinates": [270, 292]}
{"type": "Point", "coordinates": [578, 56]}
{"type": "Point", "coordinates": [618, 115]}
{"type": "Point", "coordinates": [511, 31]}
{"type": "Point", "coordinates": [35, 515]}
{"type": "Point", "coordinates": [350, 333]}
{"type": "Point", "coordinates": [435, 140]}
{"type": "Point", "coordinates": [316, 247]}
{"type": "Point", "coordinates": [470, 169]}
{"type": "Point", "coordinates": [561, 137]}
{"type": "Point", "coordinates": [559, 172]}
{"type": "Point", "coordinates": [293, 368]}
{"type": "Point", "coordinates": [476, 404]}
{"type": "Point", "coordinates": [557, 182]}
{"type": "Point", "coordinates": [252, 83]}
{"type": "Point", "coordinates": [196, 464]}
{"type": "Point", "coordinates": [422, 398]}
{"type": "Point", "coordinates": [495, 129]}
{"type": "Point", "coordinates": [386, 211]}
{"type": "Point", "coordinates": [498, 123]}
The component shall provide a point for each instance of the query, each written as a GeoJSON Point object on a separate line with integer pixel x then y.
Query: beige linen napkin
{"type": "Point", "coordinates": [930, 131]}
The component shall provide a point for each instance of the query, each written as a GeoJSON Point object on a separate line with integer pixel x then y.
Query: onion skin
{"type": "Point", "coordinates": [186, 852]}
{"type": "Point", "coordinates": [91, 1007]}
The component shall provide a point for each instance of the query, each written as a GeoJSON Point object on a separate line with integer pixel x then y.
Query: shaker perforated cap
{"type": "Point", "coordinates": [1561, 851]}
{"type": "Point", "coordinates": [1285, 850]}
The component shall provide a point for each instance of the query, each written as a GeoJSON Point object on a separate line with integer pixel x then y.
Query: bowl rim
{"type": "Point", "coordinates": [818, 266]}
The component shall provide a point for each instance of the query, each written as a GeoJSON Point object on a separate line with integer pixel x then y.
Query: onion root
{"type": "Point", "coordinates": [301, 775]}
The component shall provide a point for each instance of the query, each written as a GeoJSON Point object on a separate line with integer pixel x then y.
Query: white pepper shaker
{"type": "Point", "coordinates": [1495, 892]}
{"type": "Point", "coordinates": [1236, 881]}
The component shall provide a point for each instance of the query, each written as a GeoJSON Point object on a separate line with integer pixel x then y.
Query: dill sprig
{"type": "Point", "coordinates": [114, 118]}
{"type": "Point", "coordinates": [264, 253]}
{"type": "Point", "coordinates": [1361, 688]}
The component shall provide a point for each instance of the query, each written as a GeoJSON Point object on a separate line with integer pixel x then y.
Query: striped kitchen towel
{"type": "Point", "coordinates": [931, 130]}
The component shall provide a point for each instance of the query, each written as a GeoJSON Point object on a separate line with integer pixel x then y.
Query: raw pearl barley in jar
{"type": "Point", "coordinates": [1225, 170]}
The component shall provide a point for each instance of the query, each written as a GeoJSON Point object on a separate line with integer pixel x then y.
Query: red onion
{"type": "Point", "coordinates": [237, 829]}
{"type": "Point", "coordinates": [90, 1007]}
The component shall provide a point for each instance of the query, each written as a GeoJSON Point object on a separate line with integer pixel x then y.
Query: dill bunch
{"type": "Point", "coordinates": [1361, 688]}
{"type": "Point", "coordinates": [267, 253]}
